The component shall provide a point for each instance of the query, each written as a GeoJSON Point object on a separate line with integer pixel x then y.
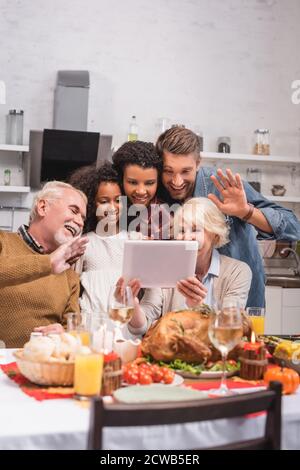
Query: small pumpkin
{"type": "Point", "coordinates": [288, 377]}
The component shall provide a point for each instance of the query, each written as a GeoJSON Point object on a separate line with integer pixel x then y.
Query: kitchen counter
{"type": "Point", "coordinates": [286, 281]}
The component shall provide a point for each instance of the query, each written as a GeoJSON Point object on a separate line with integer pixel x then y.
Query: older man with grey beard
{"type": "Point", "coordinates": [38, 288]}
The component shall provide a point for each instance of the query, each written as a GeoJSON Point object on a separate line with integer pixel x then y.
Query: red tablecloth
{"type": "Point", "coordinates": [235, 382]}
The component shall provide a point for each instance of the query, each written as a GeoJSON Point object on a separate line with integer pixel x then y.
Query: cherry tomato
{"type": "Point", "coordinates": [231, 362]}
{"type": "Point", "coordinates": [168, 375]}
{"type": "Point", "coordinates": [143, 371]}
{"type": "Point", "coordinates": [133, 367]}
{"type": "Point", "coordinates": [125, 374]}
{"type": "Point", "coordinates": [153, 368]}
{"type": "Point", "coordinates": [145, 379]}
{"type": "Point", "coordinates": [132, 378]}
{"type": "Point", "coordinates": [157, 375]}
{"type": "Point", "coordinates": [165, 370]}
{"type": "Point", "coordinates": [145, 366]}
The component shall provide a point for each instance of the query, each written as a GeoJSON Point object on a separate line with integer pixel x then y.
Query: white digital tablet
{"type": "Point", "coordinates": [159, 263]}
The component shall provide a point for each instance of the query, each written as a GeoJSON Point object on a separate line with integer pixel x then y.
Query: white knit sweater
{"type": "Point", "coordinates": [100, 268]}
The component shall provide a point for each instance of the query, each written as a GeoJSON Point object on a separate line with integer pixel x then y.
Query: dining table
{"type": "Point", "coordinates": [63, 424]}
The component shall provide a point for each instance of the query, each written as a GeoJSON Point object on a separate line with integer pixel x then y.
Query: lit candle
{"type": "Point", "coordinates": [253, 345]}
{"type": "Point", "coordinates": [253, 360]}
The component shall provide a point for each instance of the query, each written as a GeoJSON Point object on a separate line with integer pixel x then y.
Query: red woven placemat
{"type": "Point", "coordinates": [38, 392]}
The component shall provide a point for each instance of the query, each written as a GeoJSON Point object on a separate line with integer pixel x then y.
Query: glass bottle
{"type": "Point", "coordinates": [254, 178]}
{"type": "Point", "coordinates": [133, 130]}
{"type": "Point", "coordinates": [7, 177]}
{"type": "Point", "coordinates": [262, 142]}
{"type": "Point", "coordinates": [196, 128]}
{"type": "Point", "coordinates": [14, 130]}
{"type": "Point", "coordinates": [2, 92]}
{"type": "Point", "coordinates": [163, 124]}
{"type": "Point", "coordinates": [224, 144]}
{"type": "Point", "coordinates": [200, 138]}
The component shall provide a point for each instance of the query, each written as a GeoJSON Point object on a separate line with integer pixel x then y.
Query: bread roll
{"type": "Point", "coordinates": [39, 349]}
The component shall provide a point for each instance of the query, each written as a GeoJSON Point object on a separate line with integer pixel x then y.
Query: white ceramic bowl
{"type": "Point", "coordinates": [127, 349]}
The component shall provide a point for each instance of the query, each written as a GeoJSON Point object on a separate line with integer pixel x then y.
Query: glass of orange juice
{"type": "Point", "coordinates": [257, 317]}
{"type": "Point", "coordinates": [88, 375]}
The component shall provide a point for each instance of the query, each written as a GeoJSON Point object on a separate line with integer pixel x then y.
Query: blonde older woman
{"type": "Point", "coordinates": [218, 278]}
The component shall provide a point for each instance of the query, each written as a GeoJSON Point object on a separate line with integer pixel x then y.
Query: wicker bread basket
{"type": "Point", "coordinates": [45, 373]}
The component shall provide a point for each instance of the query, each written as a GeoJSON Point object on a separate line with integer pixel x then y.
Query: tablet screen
{"type": "Point", "coordinates": [159, 263]}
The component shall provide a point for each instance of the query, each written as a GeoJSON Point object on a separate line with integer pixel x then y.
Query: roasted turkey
{"type": "Point", "coordinates": [183, 335]}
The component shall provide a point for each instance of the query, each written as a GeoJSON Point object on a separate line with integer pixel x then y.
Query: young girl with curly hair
{"type": "Point", "coordinates": [101, 266]}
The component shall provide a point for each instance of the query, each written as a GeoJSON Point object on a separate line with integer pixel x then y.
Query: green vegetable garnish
{"type": "Point", "coordinates": [195, 369]}
{"type": "Point", "coordinates": [177, 364]}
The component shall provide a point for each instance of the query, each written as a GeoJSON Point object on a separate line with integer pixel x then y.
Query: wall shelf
{"type": "Point", "coordinates": [283, 198]}
{"type": "Point", "coordinates": [21, 152]}
{"type": "Point", "coordinates": [238, 157]}
{"type": "Point", "coordinates": [14, 189]}
{"type": "Point", "coordinates": [14, 148]}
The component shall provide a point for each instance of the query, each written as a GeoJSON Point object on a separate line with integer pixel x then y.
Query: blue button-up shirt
{"type": "Point", "coordinates": [243, 244]}
{"type": "Point", "coordinates": [207, 281]}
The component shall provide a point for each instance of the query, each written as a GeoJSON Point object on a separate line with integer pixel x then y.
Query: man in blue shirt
{"type": "Point", "coordinates": [249, 214]}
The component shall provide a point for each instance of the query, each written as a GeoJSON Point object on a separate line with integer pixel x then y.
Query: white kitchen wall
{"type": "Point", "coordinates": [224, 66]}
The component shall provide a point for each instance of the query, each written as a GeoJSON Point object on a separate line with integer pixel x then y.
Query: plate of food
{"type": "Point", "coordinates": [179, 340]}
{"type": "Point", "coordinates": [284, 348]}
{"type": "Point", "coordinates": [287, 353]}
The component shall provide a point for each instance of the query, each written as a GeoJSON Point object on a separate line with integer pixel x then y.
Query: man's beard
{"type": "Point", "coordinates": [186, 194]}
{"type": "Point", "coordinates": [61, 237]}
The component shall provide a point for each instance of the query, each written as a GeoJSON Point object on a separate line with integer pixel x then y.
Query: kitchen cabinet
{"type": "Point", "coordinates": [12, 217]}
{"type": "Point", "coordinates": [290, 318]}
{"type": "Point", "coordinates": [12, 156]}
{"type": "Point", "coordinates": [273, 310]}
{"type": "Point", "coordinates": [282, 311]}
{"type": "Point", "coordinates": [13, 197]}
{"type": "Point", "coordinates": [20, 217]}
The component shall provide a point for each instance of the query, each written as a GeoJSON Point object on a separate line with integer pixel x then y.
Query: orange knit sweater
{"type": "Point", "coordinates": [30, 295]}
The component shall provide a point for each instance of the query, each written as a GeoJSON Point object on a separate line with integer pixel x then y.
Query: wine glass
{"type": "Point", "coordinates": [225, 332]}
{"type": "Point", "coordinates": [120, 307]}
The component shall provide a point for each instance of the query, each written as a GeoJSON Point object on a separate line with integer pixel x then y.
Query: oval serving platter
{"type": "Point", "coordinates": [156, 393]}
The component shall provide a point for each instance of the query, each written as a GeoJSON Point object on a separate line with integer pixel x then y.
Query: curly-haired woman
{"type": "Point", "coordinates": [139, 168]}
